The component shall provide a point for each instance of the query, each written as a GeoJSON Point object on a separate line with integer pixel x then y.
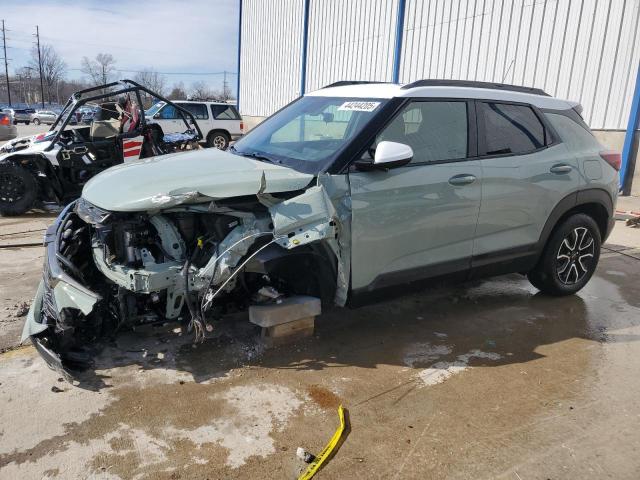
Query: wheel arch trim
{"type": "Point", "coordinates": [597, 196]}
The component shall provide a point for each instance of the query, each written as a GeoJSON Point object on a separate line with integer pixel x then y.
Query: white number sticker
{"type": "Point", "coordinates": [359, 106]}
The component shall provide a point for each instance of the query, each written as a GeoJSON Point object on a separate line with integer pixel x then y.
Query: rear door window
{"type": "Point", "coordinates": [510, 129]}
{"type": "Point", "coordinates": [198, 110]}
{"type": "Point", "coordinates": [224, 112]}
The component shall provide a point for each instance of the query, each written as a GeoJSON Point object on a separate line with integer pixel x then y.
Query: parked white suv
{"type": "Point", "coordinates": [219, 122]}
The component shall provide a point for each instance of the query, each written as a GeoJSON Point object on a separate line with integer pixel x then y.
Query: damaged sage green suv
{"type": "Point", "coordinates": [347, 191]}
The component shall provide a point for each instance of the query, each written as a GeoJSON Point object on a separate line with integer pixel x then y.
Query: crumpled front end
{"type": "Point", "coordinates": [189, 262]}
{"type": "Point", "coordinates": [62, 304]}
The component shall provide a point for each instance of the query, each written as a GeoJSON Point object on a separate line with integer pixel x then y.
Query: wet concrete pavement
{"type": "Point", "coordinates": [485, 380]}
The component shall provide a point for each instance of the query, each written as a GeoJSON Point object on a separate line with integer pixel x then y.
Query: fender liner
{"type": "Point", "coordinates": [315, 261]}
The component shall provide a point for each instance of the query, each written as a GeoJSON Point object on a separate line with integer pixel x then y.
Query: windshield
{"type": "Point", "coordinates": [154, 109]}
{"type": "Point", "coordinates": [310, 133]}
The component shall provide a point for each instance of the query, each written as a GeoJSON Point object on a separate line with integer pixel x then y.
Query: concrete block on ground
{"type": "Point", "coordinates": [291, 319]}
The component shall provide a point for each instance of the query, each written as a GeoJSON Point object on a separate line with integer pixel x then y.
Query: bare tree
{"type": "Point", "coordinates": [53, 67]}
{"type": "Point", "coordinates": [28, 85]}
{"type": "Point", "coordinates": [200, 91]}
{"type": "Point", "coordinates": [100, 70]}
{"type": "Point", "coordinates": [178, 92]}
{"type": "Point", "coordinates": [151, 79]}
{"type": "Point", "coordinates": [154, 81]}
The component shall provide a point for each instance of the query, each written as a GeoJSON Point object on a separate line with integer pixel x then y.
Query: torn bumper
{"type": "Point", "coordinates": [57, 290]}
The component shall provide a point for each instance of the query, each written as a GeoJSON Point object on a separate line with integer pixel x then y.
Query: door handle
{"type": "Point", "coordinates": [561, 168]}
{"type": "Point", "coordinates": [462, 179]}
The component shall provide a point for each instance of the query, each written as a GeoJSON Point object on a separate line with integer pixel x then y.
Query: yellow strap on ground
{"type": "Point", "coordinates": [326, 453]}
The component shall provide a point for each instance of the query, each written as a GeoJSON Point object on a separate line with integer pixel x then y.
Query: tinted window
{"type": "Point", "coordinates": [572, 133]}
{"type": "Point", "coordinates": [199, 110]}
{"type": "Point", "coordinates": [168, 112]}
{"type": "Point", "coordinates": [311, 132]}
{"type": "Point", "coordinates": [434, 130]}
{"type": "Point", "coordinates": [511, 128]}
{"type": "Point", "coordinates": [224, 112]}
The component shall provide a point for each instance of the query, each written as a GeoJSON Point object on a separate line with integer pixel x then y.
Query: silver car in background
{"type": "Point", "coordinates": [8, 130]}
{"type": "Point", "coordinates": [22, 115]}
{"type": "Point", "coordinates": [47, 117]}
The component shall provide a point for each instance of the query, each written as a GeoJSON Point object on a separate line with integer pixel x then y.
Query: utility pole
{"type": "Point", "coordinates": [225, 87]}
{"type": "Point", "coordinates": [40, 66]}
{"type": "Point", "coordinates": [6, 62]}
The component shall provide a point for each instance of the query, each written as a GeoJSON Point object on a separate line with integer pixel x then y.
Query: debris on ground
{"type": "Point", "coordinates": [21, 309]}
{"type": "Point", "coordinates": [633, 222]}
{"type": "Point", "coordinates": [331, 448]}
{"type": "Point", "coordinates": [306, 457]}
{"type": "Point", "coordinates": [55, 389]}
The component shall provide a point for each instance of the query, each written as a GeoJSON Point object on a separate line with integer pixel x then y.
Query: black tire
{"type": "Point", "coordinates": [18, 190]}
{"type": "Point", "coordinates": [570, 257]}
{"type": "Point", "coordinates": [218, 139]}
{"type": "Point", "coordinates": [36, 121]}
{"type": "Point", "coordinates": [27, 123]}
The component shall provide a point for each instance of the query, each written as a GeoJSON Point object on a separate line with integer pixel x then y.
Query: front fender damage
{"type": "Point", "coordinates": [320, 215]}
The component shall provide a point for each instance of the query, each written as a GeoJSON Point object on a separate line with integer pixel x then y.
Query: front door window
{"type": "Point", "coordinates": [435, 130]}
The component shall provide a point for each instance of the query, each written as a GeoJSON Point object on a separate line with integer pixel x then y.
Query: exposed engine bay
{"type": "Point", "coordinates": [191, 263]}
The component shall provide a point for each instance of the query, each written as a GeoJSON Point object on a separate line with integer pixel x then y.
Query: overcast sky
{"type": "Point", "coordinates": [174, 37]}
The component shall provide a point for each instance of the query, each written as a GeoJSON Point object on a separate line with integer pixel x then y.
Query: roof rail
{"type": "Point", "coordinates": [343, 83]}
{"type": "Point", "coordinates": [474, 84]}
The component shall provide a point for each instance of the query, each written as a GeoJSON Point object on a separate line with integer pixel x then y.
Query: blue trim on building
{"type": "Point", "coordinates": [239, 50]}
{"type": "Point", "coordinates": [397, 56]}
{"type": "Point", "coordinates": [305, 41]}
{"type": "Point", "coordinates": [632, 126]}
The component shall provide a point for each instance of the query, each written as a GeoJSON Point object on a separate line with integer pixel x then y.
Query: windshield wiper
{"type": "Point", "coordinates": [255, 156]}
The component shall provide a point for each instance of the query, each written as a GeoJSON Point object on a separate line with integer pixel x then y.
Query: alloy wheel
{"type": "Point", "coordinates": [12, 188]}
{"type": "Point", "coordinates": [575, 256]}
{"type": "Point", "coordinates": [220, 142]}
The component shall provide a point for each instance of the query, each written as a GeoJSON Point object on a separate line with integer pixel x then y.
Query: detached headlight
{"type": "Point", "coordinates": [89, 213]}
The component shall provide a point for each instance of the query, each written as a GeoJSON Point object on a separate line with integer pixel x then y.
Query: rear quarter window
{"type": "Point", "coordinates": [224, 112]}
{"type": "Point", "coordinates": [510, 129]}
{"type": "Point", "coordinates": [574, 135]}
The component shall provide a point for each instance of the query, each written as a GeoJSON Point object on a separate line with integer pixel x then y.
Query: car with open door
{"type": "Point", "coordinates": [50, 169]}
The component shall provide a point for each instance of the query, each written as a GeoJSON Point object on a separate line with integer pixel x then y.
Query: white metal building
{"type": "Point", "coordinates": [584, 50]}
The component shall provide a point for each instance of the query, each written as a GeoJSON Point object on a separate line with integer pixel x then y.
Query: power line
{"type": "Point", "coordinates": [125, 70]}
{"type": "Point", "coordinates": [6, 63]}
{"type": "Point", "coordinates": [40, 66]}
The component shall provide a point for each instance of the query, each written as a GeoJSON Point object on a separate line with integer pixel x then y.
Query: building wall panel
{"type": "Point", "coordinates": [350, 40]}
{"type": "Point", "coordinates": [583, 50]}
{"type": "Point", "coordinates": [270, 55]}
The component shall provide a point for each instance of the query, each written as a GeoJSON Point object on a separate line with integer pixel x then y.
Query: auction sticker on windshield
{"type": "Point", "coordinates": [359, 106]}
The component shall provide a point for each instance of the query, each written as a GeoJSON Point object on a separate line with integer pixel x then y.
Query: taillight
{"type": "Point", "coordinates": [242, 127]}
{"type": "Point", "coordinates": [612, 158]}
{"type": "Point", "coordinates": [5, 120]}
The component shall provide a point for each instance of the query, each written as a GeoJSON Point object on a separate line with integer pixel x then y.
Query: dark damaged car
{"type": "Point", "coordinates": [347, 191]}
